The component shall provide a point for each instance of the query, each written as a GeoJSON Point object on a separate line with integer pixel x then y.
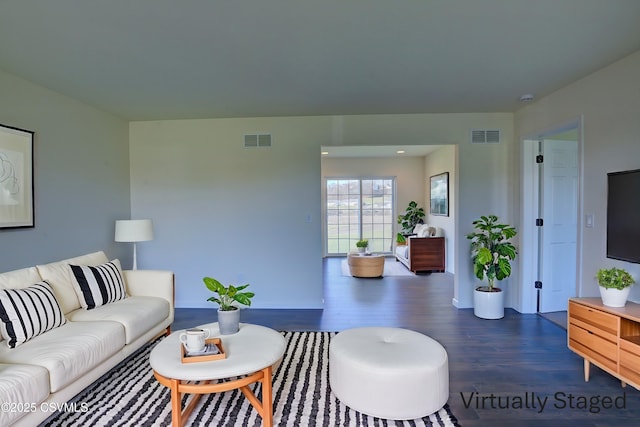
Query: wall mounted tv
{"type": "Point", "coordinates": [623, 215]}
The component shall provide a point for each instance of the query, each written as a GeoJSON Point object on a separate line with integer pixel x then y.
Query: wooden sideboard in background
{"type": "Point", "coordinates": [425, 254]}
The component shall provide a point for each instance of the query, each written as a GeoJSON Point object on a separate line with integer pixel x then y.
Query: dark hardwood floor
{"type": "Point", "coordinates": [500, 370]}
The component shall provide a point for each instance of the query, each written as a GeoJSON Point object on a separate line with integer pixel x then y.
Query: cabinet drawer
{"type": "Point", "coordinates": [593, 329]}
{"type": "Point", "coordinates": [630, 360]}
{"type": "Point", "coordinates": [593, 347]}
{"type": "Point", "coordinates": [599, 319]}
{"type": "Point", "coordinates": [630, 368]}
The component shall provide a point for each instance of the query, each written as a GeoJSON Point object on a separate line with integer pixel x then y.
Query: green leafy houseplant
{"type": "Point", "coordinates": [227, 295]}
{"type": "Point", "coordinates": [412, 216]}
{"type": "Point", "coordinates": [400, 239]}
{"type": "Point", "coordinates": [492, 250]}
{"type": "Point", "coordinates": [614, 278]}
{"type": "Point", "coordinates": [362, 243]}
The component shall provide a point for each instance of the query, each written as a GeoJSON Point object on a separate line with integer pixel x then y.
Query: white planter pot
{"type": "Point", "coordinates": [229, 321]}
{"type": "Point", "coordinates": [488, 305]}
{"type": "Point", "coordinates": [614, 297]}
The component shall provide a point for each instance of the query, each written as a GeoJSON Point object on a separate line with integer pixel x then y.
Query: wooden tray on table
{"type": "Point", "coordinates": [213, 351]}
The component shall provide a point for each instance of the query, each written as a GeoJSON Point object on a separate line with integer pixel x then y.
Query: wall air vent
{"type": "Point", "coordinates": [257, 140]}
{"type": "Point", "coordinates": [491, 136]}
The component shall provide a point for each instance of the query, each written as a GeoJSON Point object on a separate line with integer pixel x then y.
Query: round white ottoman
{"type": "Point", "coordinates": [389, 373]}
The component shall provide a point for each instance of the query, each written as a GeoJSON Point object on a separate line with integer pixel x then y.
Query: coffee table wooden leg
{"type": "Point", "coordinates": [176, 407]}
{"type": "Point", "coordinates": [264, 408]}
{"type": "Point", "coordinates": [178, 416]}
{"type": "Point", "coordinates": [177, 388]}
{"type": "Point", "coordinates": [267, 398]}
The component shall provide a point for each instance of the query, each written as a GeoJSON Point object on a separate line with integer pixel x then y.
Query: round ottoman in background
{"type": "Point", "coordinates": [390, 373]}
{"type": "Point", "coordinates": [365, 265]}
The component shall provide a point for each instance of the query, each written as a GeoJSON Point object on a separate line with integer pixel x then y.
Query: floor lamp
{"type": "Point", "coordinates": [134, 230]}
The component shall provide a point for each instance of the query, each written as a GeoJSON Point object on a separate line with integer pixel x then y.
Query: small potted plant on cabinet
{"type": "Point", "coordinates": [362, 245]}
{"type": "Point", "coordinates": [491, 254]}
{"type": "Point", "coordinates": [615, 284]}
{"type": "Point", "coordinates": [228, 314]}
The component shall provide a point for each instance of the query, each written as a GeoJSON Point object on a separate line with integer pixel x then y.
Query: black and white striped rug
{"type": "Point", "coordinates": [129, 395]}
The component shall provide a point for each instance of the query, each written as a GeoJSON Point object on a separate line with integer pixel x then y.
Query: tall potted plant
{"type": "Point", "coordinates": [412, 216]}
{"type": "Point", "coordinates": [491, 254]}
{"type": "Point", "coordinates": [228, 313]}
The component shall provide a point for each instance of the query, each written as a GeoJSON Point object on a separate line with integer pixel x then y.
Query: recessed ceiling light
{"type": "Point", "coordinates": [400, 151]}
{"type": "Point", "coordinates": [324, 153]}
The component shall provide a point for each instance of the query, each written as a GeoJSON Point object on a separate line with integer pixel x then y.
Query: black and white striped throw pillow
{"type": "Point", "coordinates": [99, 285]}
{"type": "Point", "coordinates": [28, 312]}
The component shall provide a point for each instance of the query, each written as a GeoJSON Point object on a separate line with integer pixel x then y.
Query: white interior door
{"type": "Point", "coordinates": [560, 230]}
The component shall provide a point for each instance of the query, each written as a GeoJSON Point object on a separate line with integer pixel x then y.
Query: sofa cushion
{"type": "Point", "coordinates": [25, 385]}
{"type": "Point", "coordinates": [427, 231]}
{"type": "Point", "coordinates": [417, 230]}
{"type": "Point", "coordinates": [69, 351]}
{"type": "Point", "coordinates": [26, 313]}
{"type": "Point", "coordinates": [19, 278]}
{"type": "Point", "coordinates": [59, 276]}
{"type": "Point", "coordinates": [98, 285]}
{"type": "Point", "coordinates": [138, 314]}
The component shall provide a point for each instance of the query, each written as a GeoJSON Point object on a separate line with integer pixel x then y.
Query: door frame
{"type": "Point", "coordinates": [529, 179]}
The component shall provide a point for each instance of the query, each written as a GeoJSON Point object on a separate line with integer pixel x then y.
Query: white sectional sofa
{"type": "Point", "coordinates": [83, 344]}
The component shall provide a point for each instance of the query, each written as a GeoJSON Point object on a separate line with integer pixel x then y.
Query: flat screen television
{"type": "Point", "coordinates": [623, 215]}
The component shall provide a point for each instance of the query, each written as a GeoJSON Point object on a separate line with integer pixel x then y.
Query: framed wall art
{"type": "Point", "coordinates": [440, 194]}
{"type": "Point", "coordinates": [16, 177]}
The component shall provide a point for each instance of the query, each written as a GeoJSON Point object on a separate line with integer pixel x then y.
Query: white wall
{"type": "Point", "coordinates": [235, 214]}
{"type": "Point", "coordinates": [440, 161]}
{"type": "Point", "coordinates": [609, 104]}
{"type": "Point", "coordinates": [81, 168]}
{"type": "Point", "coordinates": [239, 215]}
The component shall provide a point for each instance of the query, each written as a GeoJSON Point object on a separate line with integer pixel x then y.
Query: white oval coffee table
{"type": "Point", "coordinates": [250, 355]}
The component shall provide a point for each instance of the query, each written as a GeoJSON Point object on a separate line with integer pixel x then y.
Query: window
{"type": "Point", "coordinates": [359, 209]}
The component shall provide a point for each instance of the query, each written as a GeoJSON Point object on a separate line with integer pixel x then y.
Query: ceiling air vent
{"type": "Point", "coordinates": [259, 140]}
{"type": "Point", "coordinates": [491, 136]}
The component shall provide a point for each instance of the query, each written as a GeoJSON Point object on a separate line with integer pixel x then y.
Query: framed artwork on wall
{"type": "Point", "coordinates": [16, 177]}
{"type": "Point", "coordinates": [440, 194]}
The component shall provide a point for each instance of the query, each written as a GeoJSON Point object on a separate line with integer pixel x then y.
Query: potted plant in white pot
{"type": "Point", "coordinates": [615, 284]}
{"type": "Point", "coordinates": [362, 245]}
{"type": "Point", "coordinates": [228, 314]}
{"type": "Point", "coordinates": [491, 254]}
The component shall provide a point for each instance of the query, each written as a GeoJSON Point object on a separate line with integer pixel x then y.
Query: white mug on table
{"type": "Point", "coordinates": [194, 339]}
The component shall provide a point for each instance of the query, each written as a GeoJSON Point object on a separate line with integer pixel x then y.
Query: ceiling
{"type": "Point", "coordinates": [167, 59]}
{"type": "Point", "coordinates": [379, 150]}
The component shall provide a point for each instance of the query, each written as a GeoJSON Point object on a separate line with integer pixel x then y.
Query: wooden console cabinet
{"type": "Point", "coordinates": [425, 254]}
{"type": "Point", "coordinates": [607, 337]}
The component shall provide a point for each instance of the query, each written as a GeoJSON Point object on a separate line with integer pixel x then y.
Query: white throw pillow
{"type": "Point", "coordinates": [28, 312]}
{"type": "Point", "coordinates": [98, 285]}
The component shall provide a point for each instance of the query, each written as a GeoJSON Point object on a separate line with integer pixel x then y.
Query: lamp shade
{"type": "Point", "coordinates": [134, 230]}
